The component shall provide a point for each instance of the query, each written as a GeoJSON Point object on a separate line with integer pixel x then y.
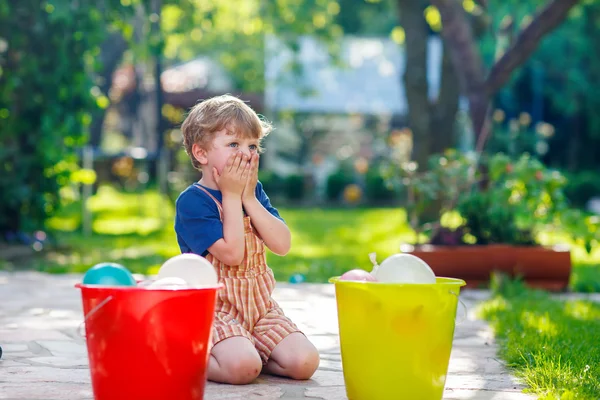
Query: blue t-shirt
{"type": "Point", "coordinates": [197, 222]}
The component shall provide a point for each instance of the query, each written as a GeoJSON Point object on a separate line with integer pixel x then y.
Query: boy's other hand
{"type": "Point", "coordinates": [250, 188]}
{"type": "Point", "coordinates": [232, 179]}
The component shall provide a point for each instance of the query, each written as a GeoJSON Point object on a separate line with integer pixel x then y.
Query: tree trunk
{"type": "Point", "coordinates": [415, 76]}
{"type": "Point", "coordinates": [444, 112]}
{"type": "Point", "coordinates": [458, 36]}
{"type": "Point", "coordinates": [525, 44]}
{"type": "Point", "coordinates": [574, 143]}
{"type": "Point", "coordinates": [111, 52]}
{"type": "Point", "coordinates": [432, 124]}
{"type": "Point", "coordinates": [467, 60]}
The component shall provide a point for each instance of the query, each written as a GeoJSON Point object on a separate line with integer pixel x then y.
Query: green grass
{"type": "Point", "coordinates": [137, 231]}
{"type": "Point", "coordinates": [329, 242]}
{"type": "Point", "coordinates": [585, 278]}
{"type": "Point", "coordinates": [552, 344]}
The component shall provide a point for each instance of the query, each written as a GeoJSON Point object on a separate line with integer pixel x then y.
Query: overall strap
{"type": "Point", "coordinates": [217, 202]}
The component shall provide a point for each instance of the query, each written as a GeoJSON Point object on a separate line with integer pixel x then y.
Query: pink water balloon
{"type": "Point", "coordinates": [358, 275]}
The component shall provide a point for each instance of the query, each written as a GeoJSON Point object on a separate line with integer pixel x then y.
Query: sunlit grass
{"type": "Point", "coordinates": [552, 344]}
{"type": "Point", "coordinates": [328, 242]}
{"type": "Point", "coordinates": [136, 229]}
{"type": "Point", "coordinates": [578, 253]}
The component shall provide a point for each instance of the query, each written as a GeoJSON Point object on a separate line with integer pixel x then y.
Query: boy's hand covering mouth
{"type": "Point", "coordinates": [250, 188]}
{"type": "Point", "coordinates": [232, 179]}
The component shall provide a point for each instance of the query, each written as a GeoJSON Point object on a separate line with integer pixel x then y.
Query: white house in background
{"type": "Point", "coordinates": [200, 73]}
{"type": "Point", "coordinates": [368, 86]}
{"type": "Point", "coordinates": [369, 83]}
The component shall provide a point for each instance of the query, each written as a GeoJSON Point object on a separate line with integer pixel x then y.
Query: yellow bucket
{"type": "Point", "coordinates": [396, 338]}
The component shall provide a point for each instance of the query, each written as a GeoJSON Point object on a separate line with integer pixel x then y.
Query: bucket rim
{"type": "Point", "coordinates": [145, 289]}
{"type": "Point", "coordinates": [440, 281]}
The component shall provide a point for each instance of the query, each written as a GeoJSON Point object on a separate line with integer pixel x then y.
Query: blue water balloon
{"type": "Point", "coordinates": [297, 278]}
{"type": "Point", "coordinates": [109, 274]}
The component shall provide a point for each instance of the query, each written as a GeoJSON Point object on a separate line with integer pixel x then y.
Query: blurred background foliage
{"type": "Point", "coordinates": [64, 68]}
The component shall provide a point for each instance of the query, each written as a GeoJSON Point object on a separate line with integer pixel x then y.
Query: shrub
{"type": "Point", "coordinates": [581, 187]}
{"type": "Point", "coordinates": [376, 188]}
{"type": "Point", "coordinates": [337, 181]}
{"type": "Point", "coordinates": [294, 187]}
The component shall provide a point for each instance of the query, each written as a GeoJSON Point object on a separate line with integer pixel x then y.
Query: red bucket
{"type": "Point", "coordinates": [148, 344]}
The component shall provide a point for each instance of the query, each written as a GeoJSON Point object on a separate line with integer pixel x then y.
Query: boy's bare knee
{"type": "Point", "coordinates": [302, 366]}
{"type": "Point", "coordinates": [236, 361]}
{"type": "Point", "coordinates": [242, 370]}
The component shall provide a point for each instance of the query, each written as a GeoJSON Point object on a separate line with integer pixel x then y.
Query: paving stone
{"type": "Point", "coordinates": [472, 341]}
{"type": "Point", "coordinates": [31, 374]}
{"type": "Point", "coordinates": [474, 295]}
{"type": "Point", "coordinates": [467, 365]}
{"type": "Point", "coordinates": [15, 347]}
{"type": "Point", "coordinates": [326, 393]}
{"type": "Point", "coordinates": [253, 391]}
{"type": "Point", "coordinates": [46, 358]}
{"type": "Point", "coordinates": [503, 382]}
{"type": "Point", "coordinates": [595, 297]}
{"type": "Point", "coordinates": [326, 343]}
{"type": "Point", "coordinates": [14, 335]}
{"type": "Point", "coordinates": [64, 348]}
{"type": "Point", "coordinates": [41, 322]}
{"type": "Point", "coordinates": [451, 394]}
{"type": "Point", "coordinates": [7, 355]}
{"type": "Point", "coordinates": [339, 393]}
{"type": "Point", "coordinates": [45, 391]}
{"type": "Point", "coordinates": [480, 352]}
{"type": "Point", "coordinates": [330, 365]}
{"type": "Point", "coordinates": [5, 363]}
{"type": "Point", "coordinates": [61, 362]}
{"type": "Point", "coordinates": [320, 378]}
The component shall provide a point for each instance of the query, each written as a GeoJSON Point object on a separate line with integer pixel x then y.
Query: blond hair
{"type": "Point", "coordinates": [218, 113]}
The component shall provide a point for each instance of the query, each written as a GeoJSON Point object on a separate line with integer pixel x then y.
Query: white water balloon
{"type": "Point", "coordinates": [404, 268]}
{"type": "Point", "coordinates": [197, 271]}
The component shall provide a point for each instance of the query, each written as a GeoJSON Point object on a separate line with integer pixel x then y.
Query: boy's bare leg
{"type": "Point", "coordinates": [295, 357]}
{"type": "Point", "coordinates": [235, 361]}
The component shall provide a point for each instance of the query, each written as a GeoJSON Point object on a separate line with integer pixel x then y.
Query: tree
{"type": "Point", "coordinates": [51, 82]}
{"type": "Point", "coordinates": [56, 63]}
{"type": "Point", "coordinates": [411, 23]}
{"type": "Point", "coordinates": [234, 32]}
{"type": "Point", "coordinates": [46, 96]}
{"type": "Point", "coordinates": [559, 84]}
{"type": "Point", "coordinates": [467, 59]}
{"type": "Point", "coordinates": [431, 123]}
{"type": "Point", "coordinates": [111, 52]}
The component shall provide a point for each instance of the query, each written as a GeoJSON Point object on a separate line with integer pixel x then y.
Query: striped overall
{"type": "Point", "coordinates": [244, 305]}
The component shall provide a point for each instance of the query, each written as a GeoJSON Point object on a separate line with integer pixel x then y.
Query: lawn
{"type": "Point", "coordinates": [552, 344]}
{"type": "Point", "coordinates": [136, 230]}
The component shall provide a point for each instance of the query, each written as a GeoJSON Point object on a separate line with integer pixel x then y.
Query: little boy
{"type": "Point", "coordinates": [227, 217]}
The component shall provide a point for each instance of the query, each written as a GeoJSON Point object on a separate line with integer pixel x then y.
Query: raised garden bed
{"type": "Point", "coordinates": [540, 267]}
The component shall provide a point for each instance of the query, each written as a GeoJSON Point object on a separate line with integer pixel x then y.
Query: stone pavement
{"type": "Point", "coordinates": [45, 358]}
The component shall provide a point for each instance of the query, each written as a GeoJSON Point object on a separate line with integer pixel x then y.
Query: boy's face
{"type": "Point", "coordinates": [224, 144]}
